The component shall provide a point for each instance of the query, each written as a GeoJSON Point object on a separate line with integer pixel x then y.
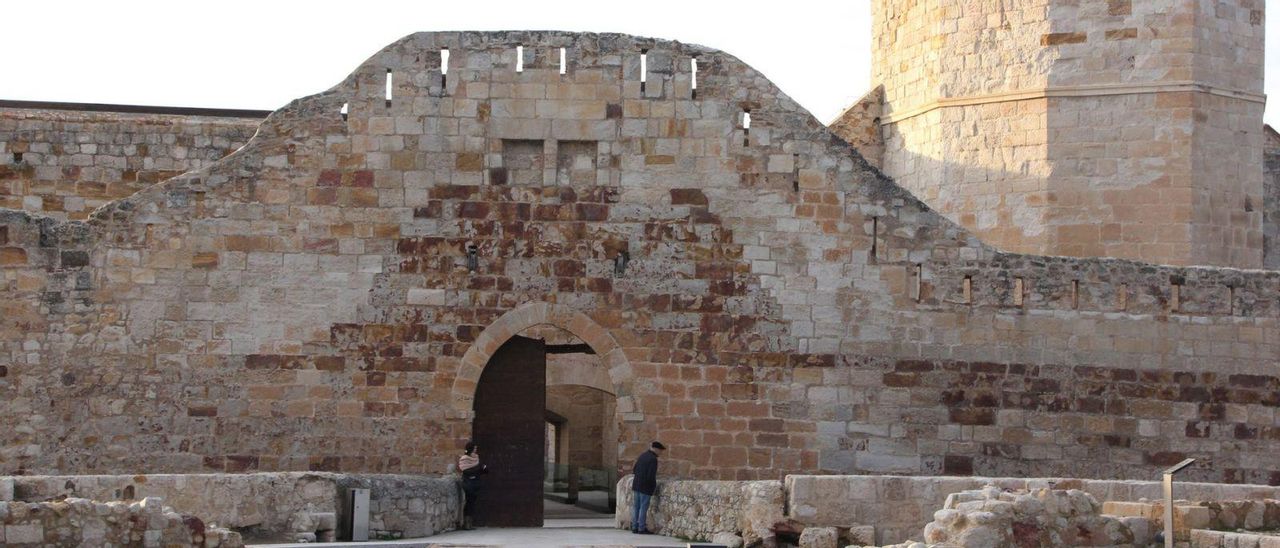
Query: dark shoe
{"type": "Point", "coordinates": [646, 532]}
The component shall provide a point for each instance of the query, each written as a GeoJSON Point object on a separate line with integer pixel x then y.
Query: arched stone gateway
{"type": "Point", "coordinates": [502, 387]}
{"type": "Point", "coordinates": [534, 314]}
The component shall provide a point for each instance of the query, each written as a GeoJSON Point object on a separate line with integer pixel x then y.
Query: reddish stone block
{"type": "Point", "coordinates": [688, 196]}
{"type": "Point", "coordinates": [766, 425]}
{"type": "Point", "coordinates": [1245, 432]}
{"type": "Point", "coordinates": [202, 411]}
{"type": "Point", "coordinates": [772, 440]}
{"type": "Point", "coordinates": [262, 361]}
{"type": "Point", "coordinates": [361, 179]}
{"type": "Point", "coordinates": [324, 464]}
{"type": "Point", "coordinates": [913, 366]}
{"type": "Point", "coordinates": [1060, 38]}
{"type": "Point", "coordinates": [330, 363]}
{"type": "Point", "coordinates": [473, 210]}
{"type": "Point", "coordinates": [973, 416]}
{"type": "Point", "coordinates": [205, 261]}
{"type": "Point", "coordinates": [431, 211]}
{"type": "Point", "coordinates": [241, 463]}
{"type": "Point", "coordinates": [215, 463]}
{"type": "Point", "coordinates": [329, 177]}
{"type": "Point", "coordinates": [11, 256]}
{"type": "Point", "coordinates": [471, 161]}
{"type": "Point", "coordinates": [901, 380]}
{"type": "Point", "coordinates": [592, 212]}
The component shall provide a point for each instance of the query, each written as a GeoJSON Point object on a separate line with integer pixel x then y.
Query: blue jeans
{"type": "Point", "coordinates": [639, 509]}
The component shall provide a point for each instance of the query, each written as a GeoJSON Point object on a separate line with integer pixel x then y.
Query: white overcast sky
{"type": "Point", "coordinates": [261, 54]}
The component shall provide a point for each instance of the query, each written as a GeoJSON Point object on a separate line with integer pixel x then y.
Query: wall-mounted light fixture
{"type": "Point", "coordinates": [620, 262]}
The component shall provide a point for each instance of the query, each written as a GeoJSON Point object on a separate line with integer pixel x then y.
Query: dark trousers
{"type": "Point", "coordinates": [471, 488]}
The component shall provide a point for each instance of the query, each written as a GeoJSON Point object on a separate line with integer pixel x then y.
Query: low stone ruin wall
{"type": "Point", "coordinates": [900, 506]}
{"type": "Point", "coordinates": [80, 522]}
{"type": "Point", "coordinates": [270, 505]}
{"type": "Point", "coordinates": [704, 509]}
{"type": "Point", "coordinates": [402, 506]}
{"type": "Point", "coordinates": [1202, 538]}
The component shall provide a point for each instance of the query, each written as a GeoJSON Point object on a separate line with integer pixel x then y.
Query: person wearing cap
{"type": "Point", "coordinates": [643, 484]}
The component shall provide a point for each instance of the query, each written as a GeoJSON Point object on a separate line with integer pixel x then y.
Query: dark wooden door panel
{"type": "Point", "coordinates": [510, 405]}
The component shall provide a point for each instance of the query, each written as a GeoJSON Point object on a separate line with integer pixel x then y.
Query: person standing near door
{"type": "Point", "coordinates": [471, 468]}
{"type": "Point", "coordinates": [644, 483]}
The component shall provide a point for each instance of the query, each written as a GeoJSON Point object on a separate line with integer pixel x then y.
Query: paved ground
{"type": "Point", "coordinates": [570, 527]}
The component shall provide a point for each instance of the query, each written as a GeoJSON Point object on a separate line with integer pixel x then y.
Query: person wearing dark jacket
{"type": "Point", "coordinates": [643, 484]}
{"type": "Point", "coordinates": [471, 468]}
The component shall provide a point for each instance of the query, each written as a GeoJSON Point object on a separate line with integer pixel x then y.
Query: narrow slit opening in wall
{"type": "Point", "coordinates": [1175, 298]}
{"type": "Point", "coordinates": [644, 69]}
{"type": "Point", "coordinates": [693, 78]}
{"type": "Point", "coordinates": [967, 295]}
{"type": "Point", "coordinates": [875, 237]}
{"type": "Point", "coordinates": [795, 173]}
{"type": "Point", "coordinates": [519, 58]}
{"type": "Point", "coordinates": [563, 66]}
{"type": "Point", "coordinates": [746, 128]}
{"type": "Point", "coordinates": [444, 69]}
{"type": "Point", "coordinates": [919, 283]}
{"type": "Point", "coordinates": [390, 76]}
{"type": "Point", "coordinates": [1018, 290]}
{"type": "Point", "coordinates": [1075, 294]}
{"type": "Point", "coordinates": [1124, 297]}
{"type": "Point", "coordinates": [343, 111]}
{"type": "Point", "coordinates": [1231, 299]}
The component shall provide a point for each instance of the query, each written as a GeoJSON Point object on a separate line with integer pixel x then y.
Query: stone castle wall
{"type": "Point", "coordinates": [63, 163]}
{"type": "Point", "coordinates": [1103, 128]}
{"type": "Point", "coordinates": [310, 302]}
{"type": "Point", "coordinates": [1271, 200]}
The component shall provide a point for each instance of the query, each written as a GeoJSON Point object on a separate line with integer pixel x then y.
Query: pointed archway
{"type": "Point", "coordinates": [532, 314]}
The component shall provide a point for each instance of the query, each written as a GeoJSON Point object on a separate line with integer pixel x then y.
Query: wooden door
{"type": "Point", "coordinates": [510, 405]}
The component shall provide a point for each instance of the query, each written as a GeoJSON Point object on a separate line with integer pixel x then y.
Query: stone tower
{"type": "Point", "coordinates": [1111, 128]}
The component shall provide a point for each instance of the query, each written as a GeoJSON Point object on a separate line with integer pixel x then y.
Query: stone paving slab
{"type": "Point", "coordinates": [562, 534]}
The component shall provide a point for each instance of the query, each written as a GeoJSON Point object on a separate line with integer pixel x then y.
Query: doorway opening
{"type": "Point", "coordinates": [546, 422]}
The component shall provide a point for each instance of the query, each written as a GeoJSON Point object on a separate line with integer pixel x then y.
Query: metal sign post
{"type": "Point", "coordinates": [1168, 500]}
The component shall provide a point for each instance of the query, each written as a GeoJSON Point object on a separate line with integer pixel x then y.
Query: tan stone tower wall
{"type": "Point", "coordinates": [1083, 128]}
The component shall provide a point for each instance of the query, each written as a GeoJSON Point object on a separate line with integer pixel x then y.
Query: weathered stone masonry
{"type": "Point", "coordinates": [311, 302]}
{"type": "Point", "coordinates": [62, 161]}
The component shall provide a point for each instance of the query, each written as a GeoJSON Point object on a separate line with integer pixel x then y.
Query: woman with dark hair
{"type": "Point", "coordinates": [471, 469]}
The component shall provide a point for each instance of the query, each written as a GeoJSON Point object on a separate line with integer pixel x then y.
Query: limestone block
{"type": "Point", "coordinates": [302, 522]}
{"type": "Point", "coordinates": [6, 489]}
{"type": "Point", "coordinates": [30, 533]}
{"type": "Point", "coordinates": [819, 537]}
{"type": "Point", "coordinates": [862, 535]}
{"type": "Point", "coordinates": [325, 521]}
{"type": "Point", "coordinates": [1142, 528]}
{"type": "Point", "coordinates": [727, 539]}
